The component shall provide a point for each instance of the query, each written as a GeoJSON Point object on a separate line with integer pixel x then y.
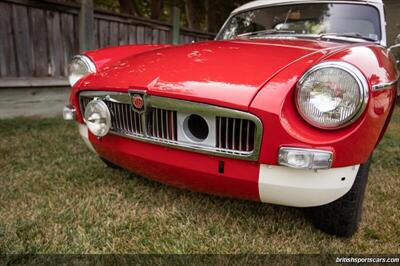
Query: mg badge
{"type": "Point", "coordinates": [138, 102]}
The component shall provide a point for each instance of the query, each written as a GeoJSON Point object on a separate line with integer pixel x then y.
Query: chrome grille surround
{"type": "Point", "coordinates": [243, 141]}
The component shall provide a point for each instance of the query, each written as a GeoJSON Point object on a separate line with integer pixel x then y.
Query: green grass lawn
{"type": "Point", "coordinates": [57, 197]}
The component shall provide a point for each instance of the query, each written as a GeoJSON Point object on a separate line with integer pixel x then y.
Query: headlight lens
{"type": "Point", "coordinates": [79, 67]}
{"type": "Point", "coordinates": [332, 95]}
{"type": "Point", "coordinates": [98, 118]}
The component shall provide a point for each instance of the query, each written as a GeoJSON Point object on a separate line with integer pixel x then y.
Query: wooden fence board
{"type": "Point", "coordinates": [148, 35]}
{"type": "Point", "coordinates": [163, 37]}
{"type": "Point", "coordinates": [39, 38]}
{"type": "Point", "coordinates": [156, 36]}
{"type": "Point", "coordinates": [113, 33]}
{"type": "Point", "coordinates": [132, 34]}
{"type": "Point", "coordinates": [140, 35]}
{"type": "Point", "coordinates": [123, 34]}
{"type": "Point", "coordinates": [22, 41]}
{"type": "Point", "coordinates": [7, 54]}
{"type": "Point", "coordinates": [104, 33]}
{"type": "Point", "coordinates": [96, 41]}
{"type": "Point", "coordinates": [39, 42]}
{"type": "Point", "coordinates": [67, 27]}
{"type": "Point", "coordinates": [76, 32]}
{"type": "Point", "coordinates": [54, 35]}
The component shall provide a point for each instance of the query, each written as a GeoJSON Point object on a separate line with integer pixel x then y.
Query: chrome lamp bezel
{"type": "Point", "coordinates": [91, 67]}
{"type": "Point", "coordinates": [103, 105]}
{"type": "Point", "coordinates": [362, 85]}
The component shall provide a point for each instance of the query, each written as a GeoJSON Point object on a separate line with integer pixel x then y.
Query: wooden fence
{"type": "Point", "coordinates": [38, 38]}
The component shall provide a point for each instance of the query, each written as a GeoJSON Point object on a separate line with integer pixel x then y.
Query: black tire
{"type": "Point", "coordinates": [110, 164]}
{"type": "Point", "coordinates": [342, 217]}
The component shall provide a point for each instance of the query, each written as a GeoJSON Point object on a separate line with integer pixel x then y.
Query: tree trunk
{"type": "Point", "coordinates": [156, 9]}
{"type": "Point", "coordinates": [211, 15]}
{"type": "Point", "coordinates": [193, 14]}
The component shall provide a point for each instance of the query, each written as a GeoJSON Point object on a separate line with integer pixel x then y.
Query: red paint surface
{"type": "Point", "coordinates": [283, 126]}
{"type": "Point", "coordinates": [254, 76]}
{"type": "Point", "coordinates": [181, 168]}
{"type": "Point", "coordinates": [225, 73]}
{"type": "Point", "coordinates": [106, 56]}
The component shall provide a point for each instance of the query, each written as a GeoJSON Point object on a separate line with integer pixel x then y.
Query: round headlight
{"type": "Point", "coordinates": [98, 118]}
{"type": "Point", "coordinates": [332, 95]}
{"type": "Point", "coordinates": [79, 67]}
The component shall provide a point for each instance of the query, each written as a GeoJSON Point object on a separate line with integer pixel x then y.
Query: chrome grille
{"type": "Point", "coordinates": [162, 124]}
{"type": "Point", "coordinates": [123, 118]}
{"type": "Point", "coordinates": [237, 134]}
{"type": "Point", "coordinates": [84, 101]}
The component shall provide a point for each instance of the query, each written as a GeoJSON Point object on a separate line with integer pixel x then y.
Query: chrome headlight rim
{"type": "Point", "coordinates": [103, 105]}
{"type": "Point", "coordinates": [87, 62]}
{"type": "Point", "coordinates": [362, 85]}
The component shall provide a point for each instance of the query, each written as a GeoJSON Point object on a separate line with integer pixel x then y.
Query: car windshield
{"type": "Point", "coordinates": [325, 19]}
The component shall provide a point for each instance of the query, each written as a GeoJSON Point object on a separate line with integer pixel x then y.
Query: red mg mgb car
{"type": "Point", "coordinates": [285, 106]}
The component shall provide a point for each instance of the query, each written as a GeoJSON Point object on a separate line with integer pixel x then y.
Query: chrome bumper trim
{"type": "Point", "coordinates": [69, 113]}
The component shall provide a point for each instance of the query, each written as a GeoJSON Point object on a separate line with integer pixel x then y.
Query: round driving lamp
{"type": "Point", "coordinates": [332, 95]}
{"type": "Point", "coordinates": [79, 67]}
{"type": "Point", "coordinates": [97, 118]}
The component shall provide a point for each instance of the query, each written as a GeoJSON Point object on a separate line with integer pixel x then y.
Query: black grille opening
{"type": "Point", "coordinates": [198, 127]}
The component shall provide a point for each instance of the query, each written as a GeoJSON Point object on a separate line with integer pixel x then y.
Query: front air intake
{"type": "Point", "coordinates": [183, 124]}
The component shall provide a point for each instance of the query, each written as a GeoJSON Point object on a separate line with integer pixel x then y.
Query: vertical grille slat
{"type": "Point", "coordinates": [121, 116]}
{"type": "Point", "coordinates": [226, 132]}
{"type": "Point", "coordinates": [124, 117]}
{"type": "Point", "coordinates": [128, 118]}
{"type": "Point", "coordinates": [128, 128]}
{"type": "Point", "coordinates": [139, 118]}
{"type": "Point", "coordinates": [153, 122]}
{"type": "Point", "coordinates": [218, 132]}
{"type": "Point", "coordinates": [162, 124]}
{"type": "Point", "coordinates": [115, 116]}
{"type": "Point", "coordinates": [167, 123]}
{"type": "Point", "coordinates": [233, 133]}
{"type": "Point", "coordinates": [172, 126]}
{"type": "Point", "coordinates": [131, 129]}
{"type": "Point", "coordinates": [240, 134]}
{"type": "Point", "coordinates": [118, 113]}
{"type": "Point", "coordinates": [157, 128]}
{"type": "Point", "coordinates": [135, 122]}
{"type": "Point", "coordinates": [234, 136]}
{"type": "Point", "coordinates": [248, 136]}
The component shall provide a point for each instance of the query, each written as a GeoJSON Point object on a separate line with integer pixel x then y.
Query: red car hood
{"type": "Point", "coordinates": [226, 73]}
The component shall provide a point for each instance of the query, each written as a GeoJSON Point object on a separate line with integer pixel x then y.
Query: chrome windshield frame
{"type": "Point", "coordinates": [378, 6]}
